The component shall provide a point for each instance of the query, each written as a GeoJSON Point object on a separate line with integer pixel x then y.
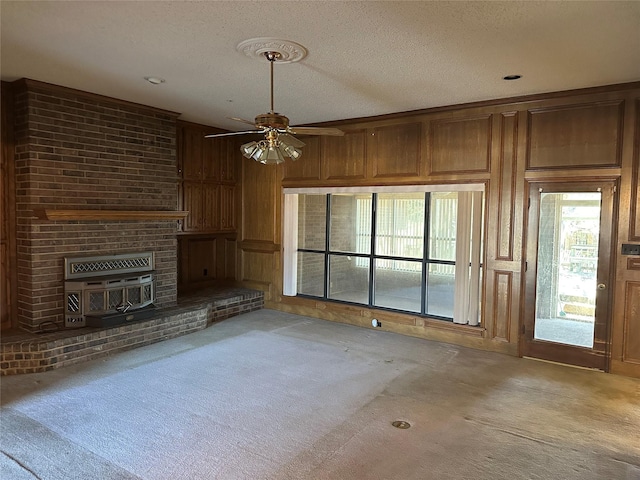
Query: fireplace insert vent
{"type": "Point", "coordinates": [84, 267]}
{"type": "Point", "coordinates": [109, 286]}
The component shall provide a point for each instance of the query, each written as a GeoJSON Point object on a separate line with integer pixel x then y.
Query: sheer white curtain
{"type": "Point", "coordinates": [466, 309]}
{"type": "Point", "coordinates": [290, 246]}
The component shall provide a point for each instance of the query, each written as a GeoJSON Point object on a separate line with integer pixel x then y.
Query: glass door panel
{"type": "Point", "coordinates": [567, 267]}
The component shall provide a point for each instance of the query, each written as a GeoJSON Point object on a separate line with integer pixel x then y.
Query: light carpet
{"type": "Point", "coordinates": [269, 395]}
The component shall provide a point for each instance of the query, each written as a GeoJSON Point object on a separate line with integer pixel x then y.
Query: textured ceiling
{"type": "Point", "coordinates": [365, 57]}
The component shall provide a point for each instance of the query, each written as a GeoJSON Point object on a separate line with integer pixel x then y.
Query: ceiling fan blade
{"type": "Point", "coordinates": [228, 134]}
{"type": "Point", "coordinates": [291, 140]}
{"type": "Point", "coordinates": [316, 131]}
{"type": "Point", "coordinates": [238, 119]}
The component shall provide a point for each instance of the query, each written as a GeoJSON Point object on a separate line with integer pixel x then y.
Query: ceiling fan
{"type": "Point", "coordinates": [279, 141]}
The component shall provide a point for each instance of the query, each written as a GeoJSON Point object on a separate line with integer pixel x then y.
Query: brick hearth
{"type": "Point", "coordinates": [23, 352]}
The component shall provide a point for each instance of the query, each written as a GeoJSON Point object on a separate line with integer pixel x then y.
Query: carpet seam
{"type": "Point", "coordinates": [22, 465]}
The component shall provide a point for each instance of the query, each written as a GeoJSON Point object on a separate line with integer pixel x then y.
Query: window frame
{"type": "Point", "coordinates": [290, 247]}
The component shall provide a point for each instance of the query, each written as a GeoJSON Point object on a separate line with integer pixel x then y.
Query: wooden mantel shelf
{"type": "Point", "coordinates": [50, 214]}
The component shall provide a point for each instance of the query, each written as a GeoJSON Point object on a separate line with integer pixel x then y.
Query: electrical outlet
{"type": "Point", "coordinates": [630, 249]}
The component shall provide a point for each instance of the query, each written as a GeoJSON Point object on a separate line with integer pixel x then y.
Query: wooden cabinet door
{"type": "Point", "coordinates": [212, 153]}
{"type": "Point", "coordinates": [192, 202]}
{"type": "Point", "coordinates": [210, 207]}
{"type": "Point", "coordinates": [192, 153]}
{"type": "Point", "coordinates": [208, 167]}
{"type": "Point", "coordinates": [229, 159]}
{"type": "Point", "coordinates": [227, 207]}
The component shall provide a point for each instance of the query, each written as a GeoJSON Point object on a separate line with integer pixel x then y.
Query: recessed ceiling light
{"type": "Point", "coordinates": [154, 80]}
{"type": "Point", "coordinates": [512, 77]}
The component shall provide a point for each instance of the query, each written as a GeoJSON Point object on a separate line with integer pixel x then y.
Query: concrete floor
{"type": "Point", "coordinates": [565, 330]}
{"type": "Point", "coordinates": [269, 395]}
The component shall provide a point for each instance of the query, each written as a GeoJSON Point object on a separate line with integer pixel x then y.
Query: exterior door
{"type": "Point", "coordinates": [568, 273]}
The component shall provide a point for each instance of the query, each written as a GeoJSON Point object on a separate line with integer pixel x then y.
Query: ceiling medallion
{"type": "Point", "coordinates": [289, 51]}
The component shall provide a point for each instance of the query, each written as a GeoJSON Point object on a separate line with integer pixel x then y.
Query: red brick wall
{"type": "Point", "coordinates": [76, 150]}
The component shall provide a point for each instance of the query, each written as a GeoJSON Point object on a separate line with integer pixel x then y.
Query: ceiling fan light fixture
{"type": "Point", "coordinates": [278, 143]}
{"type": "Point", "coordinates": [272, 150]}
{"type": "Point", "coordinates": [255, 150]}
{"type": "Point", "coordinates": [248, 149]}
{"type": "Point", "coordinates": [262, 152]}
{"type": "Point", "coordinates": [290, 151]}
{"type": "Point", "coordinates": [272, 156]}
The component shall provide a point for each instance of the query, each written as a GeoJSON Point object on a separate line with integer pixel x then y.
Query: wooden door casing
{"type": "Point", "coordinates": [598, 356]}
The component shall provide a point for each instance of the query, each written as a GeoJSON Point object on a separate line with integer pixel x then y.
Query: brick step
{"type": "Point", "coordinates": [25, 352]}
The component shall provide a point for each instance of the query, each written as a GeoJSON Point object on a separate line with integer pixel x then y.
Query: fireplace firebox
{"type": "Point", "coordinates": [110, 289]}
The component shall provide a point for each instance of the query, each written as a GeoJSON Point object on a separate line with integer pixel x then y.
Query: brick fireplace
{"type": "Point", "coordinates": [79, 152]}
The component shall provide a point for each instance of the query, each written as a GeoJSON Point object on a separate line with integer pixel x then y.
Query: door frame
{"type": "Point", "coordinates": [599, 356]}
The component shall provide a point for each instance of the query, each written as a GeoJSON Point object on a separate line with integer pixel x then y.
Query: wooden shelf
{"type": "Point", "coordinates": [49, 214]}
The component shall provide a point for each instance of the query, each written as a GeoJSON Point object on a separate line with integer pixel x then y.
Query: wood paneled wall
{"type": "Point", "coordinates": [260, 232]}
{"type": "Point", "coordinates": [579, 135]}
{"type": "Point", "coordinates": [625, 344]}
{"type": "Point", "coordinates": [586, 134]}
{"type": "Point", "coordinates": [207, 183]}
{"type": "Point", "coordinates": [8, 261]}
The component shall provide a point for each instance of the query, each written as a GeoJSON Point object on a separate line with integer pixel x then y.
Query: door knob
{"type": "Point", "coordinates": [601, 286]}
